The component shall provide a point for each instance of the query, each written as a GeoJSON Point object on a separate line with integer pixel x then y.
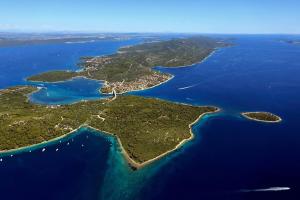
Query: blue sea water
{"type": "Point", "coordinates": [229, 158]}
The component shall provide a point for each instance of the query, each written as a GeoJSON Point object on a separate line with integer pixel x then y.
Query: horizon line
{"type": "Point", "coordinates": [137, 32]}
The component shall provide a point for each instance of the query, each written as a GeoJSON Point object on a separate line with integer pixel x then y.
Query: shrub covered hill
{"type": "Point", "coordinates": [146, 127]}
{"type": "Point", "coordinates": [131, 67]}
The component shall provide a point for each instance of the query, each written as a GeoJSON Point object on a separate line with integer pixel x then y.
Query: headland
{"type": "Point", "coordinates": [146, 129]}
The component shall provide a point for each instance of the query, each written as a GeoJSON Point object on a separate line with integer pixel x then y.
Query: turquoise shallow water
{"type": "Point", "coordinates": [67, 92]}
{"type": "Point", "coordinates": [228, 155]}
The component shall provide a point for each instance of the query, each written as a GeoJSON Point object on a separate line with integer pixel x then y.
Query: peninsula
{"type": "Point", "coordinates": [131, 67]}
{"type": "Point", "coordinates": [262, 117]}
{"type": "Point", "coordinates": [145, 128]}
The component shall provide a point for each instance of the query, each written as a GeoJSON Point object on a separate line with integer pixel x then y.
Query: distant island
{"type": "Point", "coordinates": [131, 67]}
{"type": "Point", "coordinates": [293, 41]}
{"type": "Point", "coordinates": [146, 129]}
{"type": "Point", "coordinates": [15, 39]}
{"type": "Point", "coordinates": [262, 117]}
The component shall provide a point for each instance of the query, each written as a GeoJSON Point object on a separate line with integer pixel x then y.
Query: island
{"type": "Point", "coordinates": [262, 117]}
{"type": "Point", "coordinates": [146, 128]}
{"type": "Point", "coordinates": [17, 39]}
{"type": "Point", "coordinates": [131, 67]}
{"type": "Point", "coordinates": [297, 42]}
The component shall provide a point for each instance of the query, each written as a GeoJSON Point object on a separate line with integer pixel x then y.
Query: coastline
{"type": "Point", "coordinates": [46, 142]}
{"type": "Point", "coordinates": [244, 114]}
{"type": "Point", "coordinates": [130, 161]}
{"type": "Point", "coordinates": [105, 82]}
{"type": "Point", "coordinates": [179, 145]}
{"type": "Point", "coordinates": [70, 79]}
{"type": "Point", "coordinates": [196, 63]}
{"type": "Point", "coordinates": [171, 77]}
{"type": "Point", "coordinates": [137, 165]}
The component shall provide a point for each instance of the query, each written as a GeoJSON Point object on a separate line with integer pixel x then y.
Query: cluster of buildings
{"type": "Point", "coordinates": [141, 83]}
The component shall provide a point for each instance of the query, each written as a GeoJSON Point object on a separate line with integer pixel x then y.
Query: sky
{"type": "Point", "coordinates": [184, 16]}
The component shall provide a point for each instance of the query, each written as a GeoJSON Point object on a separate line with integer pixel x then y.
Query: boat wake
{"type": "Point", "coordinates": [271, 189]}
{"type": "Point", "coordinates": [187, 87]}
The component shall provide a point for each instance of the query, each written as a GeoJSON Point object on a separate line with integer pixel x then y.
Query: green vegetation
{"type": "Point", "coordinates": [54, 76]}
{"type": "Point", "coordinates": [262, 116]}
{"type": "Point", "coordinates": [132, 63]}
{"type": "Point", "coordinates": [146, 127]}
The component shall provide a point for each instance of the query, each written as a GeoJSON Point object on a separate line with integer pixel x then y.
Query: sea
{"type": "Point", "coordinates": [230, 157]}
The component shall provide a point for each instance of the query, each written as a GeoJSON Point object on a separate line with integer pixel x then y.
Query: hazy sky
{"type": "Point", "coordinates": [209, 16]}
